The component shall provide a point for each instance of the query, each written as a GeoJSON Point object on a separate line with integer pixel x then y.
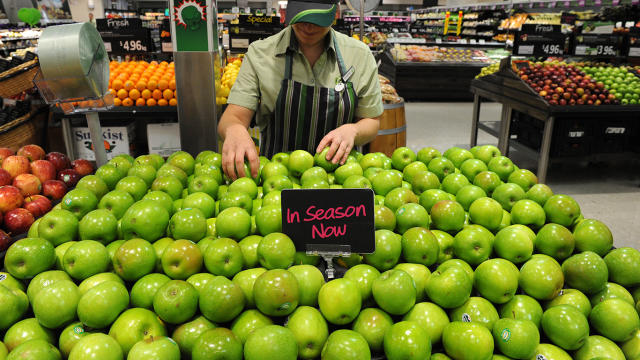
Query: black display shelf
{"type": "Point", "coordinates": [118, 112]}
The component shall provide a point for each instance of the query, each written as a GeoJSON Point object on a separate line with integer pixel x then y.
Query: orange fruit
{"type": "Point", "coordinates": [151, 102]}
{"type": "Point", "coordinates": [167, 94]}
{"type": "Point", "coordinates": [163, 85]}
{"type": "Point", "coordinates": [127, 102]}
{"type": "Point", "coordinates": [117, 102]}
{"type": "Point", "coordinates": [146, 94]}
{"type": "Point", "coordinates": [163, 102]}
{"type": "Point", "coordinates": [141, 85]}
{"type": "Point", "coordinates": [122, 94]}
{"type": "Point", "coordinates": [117, 85]}
{"type": "Point", "coordinates": [157, 94]}
{"type": "Point", "coordinates": [134, 94]}
{"type": "Point", "coordinates": [172, 84]}
{"type": "Point", "coordinates": [141, 102]}
{"type": "Point", "coordinates": [173, 102]}
{"type": "Point", "coordinates": [128, 85]}
{"type": "Point", "coordinates": [112, 92]}
{"type": "Point", "coordinates": [152, 84]}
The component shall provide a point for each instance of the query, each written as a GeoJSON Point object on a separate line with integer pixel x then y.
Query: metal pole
{"type": "Point", "coordinates": [95, 130]}
{"type": "Point", "coordinates": [545, 148]}
{"type": "Point", "coordinates": [475, 118]}
{"type": "Point", "coordinates": [362, 20]}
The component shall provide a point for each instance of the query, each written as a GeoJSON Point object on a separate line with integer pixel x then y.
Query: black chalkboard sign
{"type": "Point", "coordinates": [539, 40]}
{"type": "Point", "coordinates": [328, 219]}
{"type": "Point", "coordinates": [117, 25]}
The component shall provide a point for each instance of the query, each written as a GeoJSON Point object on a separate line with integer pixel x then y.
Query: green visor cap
{"type": "Point", "coordinates": [321, 14]}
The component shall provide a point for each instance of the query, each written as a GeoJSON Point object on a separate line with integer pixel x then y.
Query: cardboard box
{"type": "Point", "coordinates": [163, 139]}
{"type": "Point", "coordinates": [117, 140]}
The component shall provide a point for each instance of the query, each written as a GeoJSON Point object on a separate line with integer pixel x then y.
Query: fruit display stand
{"type": "Point", "coordinates": [557, 136]}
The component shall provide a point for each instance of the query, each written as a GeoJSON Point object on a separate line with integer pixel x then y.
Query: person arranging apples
{"type": "Point", "coordinates": [310, 86]}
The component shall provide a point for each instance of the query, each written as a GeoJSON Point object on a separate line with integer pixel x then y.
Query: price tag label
{"type": "Point", "coordinates": [324, 219]}
{"type": "Point", "coordinates": [634, 51]}
{"type": "Point", "coordinates": [598, 45]}
{"type": "Point", "coordinates": [551, 49]}
{"type": "Point", "coordinates": [133, 45]}
{"type": "Point", "coordinates": [481, 41]}
{"type": "Point", "coordinates": [107, 46]}
{"type": "Point", "coordinates": [438, 41]}
{"type": "Point", "coordinates": [525, 50]}
{"type": "Point", "coordinates": [167, 47]}
{"type": "Point", "coordinates": [128, 42]}
{"type": "Point", "coordinates": [581, 50]}
{"type": "Point", "coordinates": [539, 40]}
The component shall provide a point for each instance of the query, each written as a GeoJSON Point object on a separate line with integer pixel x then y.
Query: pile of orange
{"type": "Point", "coordinates": [141, 83]}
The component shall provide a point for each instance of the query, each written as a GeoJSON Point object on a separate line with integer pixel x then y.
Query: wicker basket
{"type": "Point", "coordinates": [24, 130]}
{"type": "Point", "coordinates": [18, 79]}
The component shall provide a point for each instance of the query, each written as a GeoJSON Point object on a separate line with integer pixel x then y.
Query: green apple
{"type": "Point", "coordinates": [412, 170]}
{"type": "Point", "coordinates": [522, 307]}
{"type": "Point", "coordinates": [572, 297]}
{"type": "Point", "coordinates": [145, 219]}
{"type": "Point", "coordinates": [223, 301]}
{"type": "Point", "coordinates": [431, 317]}
{"type": "Point", "coordinates": [58, 226]}
{"type": "Point", "coordinates": [148, 160]}
{"type": "Point", "coordinates": [539, 193]}
{"type": "Point", "coordinates": [85, 259]}
{"type": "Point", "coordinates": [420, 275]}
{"type": "Point", "coordinates": [134, 259]}
{"type": "Point", "coordinates": [143, 171]}
{"type": "Point", "coordinates": [8, 281]}
{"type": "Point", "coordinates": [346, 345]}
{"type": "Point", "coordinates": [310, 331]}
{"type": "Point", "coordinates": [529, 213]}
{"type": "Point", "coordinates": [191, 224]}
{"type": "Point", "coordinates": [363, 276]}
{"type": "Point", "coordinates": [631, 347]}
{"type": "Point", "coordinates": [56, 305]}
{"type": "Point", "coordinates": [223, 257]}
{"type": "Point", "coordinates": [472, 167]}
{"type": "Point", "coordinates": [598, 347]}
{"type": "Point", "coordinates": [135, 186]}
{"type": "Point", "coordinates": [425, 155]}
{"type": "Point", "coordinates": [384, 218]}
{"type": "Point", "coordinates": [204, 184]}
{"type": "Point", "coordinates": [556, 241]}
{"type": "Point", "coordinates": [462, 340]}
{"type": "Point", "coordinates": [452, 183]}
{"type": "Point", "coordinates": [406, 340]}
{"type": "Point", "coordinates": [245, 185]}
{"type": "Point", "coordinates": [233, 222]}
{"type": "Point", "coordinates": [88, 283]}
{"type": "Point", "coordinates": [411, 215]}
{"type": "Point", "coordinates": [457, 263]}
{"type": "Point", "coordinates": [430, 197]}
{"type": "Point", "coordinates": [372, 324]}
{"type": "Point", "coordinates": [315, 173]}
{"type": "Point", "coordinates": [70, 336]}
{"type": "Point", "coordinates": [624, 266]}
{"type": "Point", "coordinates": [398, 197]}
{"type": "Point", "coordinates": [440, 356]}
{"type": "Point", "coordinates": [356, 182]}
{"type": "Point", "coordinates": [486, 212]}
{"type": "Point", "coordinates": [310, 281]}
{"type": "Point", "coordinates": [549, 351]}
{"type": "Point", "coordinates": [476, 309]}
{"type": "Point", "coordinates": [100, 225]}
{"type": "Point", "coordinates": [612, 291]}
{"type": "Point", "coordinates": [508, 194]}
{"type": "Point", "coordinates": [110, 175]}
{"type": "Point", "coordinates": [94, 184]}
{"type": "Point", "coordinates": [208, 156]}
{"type": "Point", "coordinates": [202, 201]}
{"type": "Point", "coordinates": [162, 198]}
{"type": "Point", "coordinates": [79, 202]}
{"type": "Point", "coordinates": [565, 326]}
{"type": "Point", "coordinates": [28, 257]}
{"type": "Point", "coordinates": [385, 181]}
{"type": "Point", "coordinates": [424, 181]}
{"type": "Point", "coordinates": [496, 280]}
{"type": "Point", "coordinates": [26, 330]}
{"type": "Point", "coordinates": [155, 348]}
{"type": "Point", "coordinates": [387, 251]}
{"type": "Point", "coordinates": [340, 301]}
{"type": "Point", "coordinates": [562, 210]}
{"type": "Point", "coordinates": [276, 183]}
{"type": "Point", "coordinates": [135, 325]}
{"type": "Point", "coordinates": [448, 215]}
{"type": "Point", "coordinates": [449, 288]}
{"type": "Point", "coordinates": [586, 272]}
{"type": "Point", "coordinates": [468, 194]}
{"type": "Point", "coordinates": [33, 229]}
{"type": "Point", "coordinates": [100, 306]}
{"type": "Point", "coordinates": [506, 220]}
{"type": "Point", "coordinates": [14, 305]}
{"type": "Point", "coordinates": [299, 161]}
{"type": "Point", "coordinates": [419, 245]}
{"type": "Point", "coordinates": [122, 165]}
{"type": "Point", "coordinates": [269, 219]}
{"type": "Point", "coordinates": [486, 153]}
{"type": "Point", "coordinates": [218, 343]}
{"type": "Point", "coordinates": [249, 248]}
{"type": "Point", "coordinates": [445, 245]}
{"type": "Point", "coordinates": [96, 346]}
{"type": "Point", "coordinates": [591, 235]}
{"type": "Point", "coordinates": [200, 281]}
{"type": "Point", "coordinates": [541, 277]}
{"type": "Point", "coordinates": [473, 244]}
{"type": "Point", "coordinates": [302, 258]}
{"type": "Point", "coordinates": [188, 333]}
{"type": "Point", "coordinates": [402, 157]}
{"type": "Point", "coordinates": [168, 184]}
{"type": "Point", "coordinates": [320, 159]}
{"type": "Point", "coordinates": [160, 246]}
{"type": "Point", "coordinates": [502, 166]}
{"type": "Point", "coordinates": [246, 280]}
{"type": "Point", "coordinates": [394, 291]}
{"type": "Point", "coordinates": [210, 171]}
{"type": "Point", "coordinates": [615, 319]}
{"type": "Point", "coordinates": [245, 323]}
{"type": "Point", "coordinates": [176, 301]}
{"type": "Point", "coordinates": [274, 168]}
{"type": "Point", "coordinates": [44, 280]}
{"type": "Point", "coordinates": [523, 178]}
{"type": "Point", "coordinates": [35, 349]}
{"type": "Point", "coordinates": [513, 244]}
{"type": "Point", "coordinates": [487, 181]}
{"type": "Point", "coordinates": [276, 251]}
{"type": "Point", "coordinates": [517, 339]}
{"type": "Point", "coordinates": [174, 171]}
{"type": "Point", "coordinates": [272, 341]}
{"type": "Point", "coordinates": [181, 259]}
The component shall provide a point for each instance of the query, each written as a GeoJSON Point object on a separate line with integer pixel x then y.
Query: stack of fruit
{"type": "Point", "coordinates": [622, 84]}
{"type": "Point", "coordinates": [29, 181]}
{"type": "Point", "coordinates": [229, 75]}
{"type": "Point", "coordinates": [139, 83]}
{"type": "Point", "coordinates": [473, 258]}
{"type": "Point", "coordinates": [488, 70]}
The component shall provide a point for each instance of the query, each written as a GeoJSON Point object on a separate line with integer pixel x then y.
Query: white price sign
{"type": "Point", "coordinates": [634, 51]}
{"type": "Point", "coordinates": [525, 50]}
{"type": "Point", "coordinates": [581, 50]}
{"type": "Point", "coordinates": [107, 46]}
{"type": "Point", "coordinates": [605, 50]}
{"type": "Point", "coordinates": [551, 49]}
{"type": "Point", "coordinates": [133, 45]}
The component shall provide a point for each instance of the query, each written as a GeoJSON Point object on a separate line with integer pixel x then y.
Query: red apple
{"type": "Point", "coordinates": [16, 165]}
{"type": "Point", "coordinates": [5, 177]}
{"type": "Point", "coordinates": [28, 184]}
{"type": "Point", "coordinates": [59, 160]}
{"type": "Point", "coordinates": [5, 240]}
{"type": "Point", "coordinates": [82, 167]}
{"type": "Point", "coordinates": [5, 153]}
{"type": "Point", "coordinates": [18, 221]}
{"type": "Point", "coordinates": [10, 198]}
{"type": "Point", "coordinates": [38, 205]}
{"type": "Point", "coordinates": [43, 170]}
{"type": "Point", "coordinates": [31, 152]}
{"type": "Point", "coordinates": [54, 189]}
{"type": "Point", "coordinates": [69, 177]}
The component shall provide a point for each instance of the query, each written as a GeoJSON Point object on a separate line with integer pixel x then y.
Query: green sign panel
{"type": "Point", "coordinates": [193, 24]}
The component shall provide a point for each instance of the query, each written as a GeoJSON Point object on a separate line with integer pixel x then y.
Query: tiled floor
{"type": "Point", "coordinates": [608, 191]}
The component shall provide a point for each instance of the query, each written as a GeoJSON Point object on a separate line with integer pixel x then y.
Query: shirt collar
{"type": "Point", "coordinates": [285, 39]}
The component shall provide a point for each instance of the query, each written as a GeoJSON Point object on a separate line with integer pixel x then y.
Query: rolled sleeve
{"type": "Point", "coordinates": [369, 94]}
{"type": "Point", "coordinates": [246, 90]}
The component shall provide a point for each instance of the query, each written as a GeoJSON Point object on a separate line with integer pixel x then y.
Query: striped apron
{"type": "Point", "coordinates": [304, 114]}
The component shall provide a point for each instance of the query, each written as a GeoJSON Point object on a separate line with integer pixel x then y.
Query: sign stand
{"type": "Point", "coordinates": [329, 222]}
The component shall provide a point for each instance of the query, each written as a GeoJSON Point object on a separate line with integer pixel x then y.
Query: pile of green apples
{"type": "Point", "coordinates": [164, 260]}
{"type": "Point", "coordinates": [620, 82]}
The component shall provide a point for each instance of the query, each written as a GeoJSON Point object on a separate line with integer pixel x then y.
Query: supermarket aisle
{"type": "Point", "coordinates": [609, 192]}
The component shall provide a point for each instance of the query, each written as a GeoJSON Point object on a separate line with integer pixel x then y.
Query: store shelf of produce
{"type": "Point", "coordinates": [120, 111]}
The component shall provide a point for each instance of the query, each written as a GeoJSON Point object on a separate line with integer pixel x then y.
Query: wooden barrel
{"type": "Point", "coordinates": [393, 130]}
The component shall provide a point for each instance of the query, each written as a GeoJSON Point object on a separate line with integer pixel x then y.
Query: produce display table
{"type": "Point", "coordinates": [517, 98]}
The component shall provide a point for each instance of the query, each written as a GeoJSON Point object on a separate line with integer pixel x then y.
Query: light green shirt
{"type": "Point", "coordinates": [262, 71]}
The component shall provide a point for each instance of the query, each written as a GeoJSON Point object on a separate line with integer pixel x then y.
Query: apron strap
{"type": "Point", "coordinates": [341, 66]}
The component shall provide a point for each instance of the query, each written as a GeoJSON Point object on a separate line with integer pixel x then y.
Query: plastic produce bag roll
{"type": "Point", "coordinates": [73, 61]}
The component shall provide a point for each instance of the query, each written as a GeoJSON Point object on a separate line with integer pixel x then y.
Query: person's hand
{"type": "Point", "coordinates": [340, 142]}
{"type": "Point", "coordinates": [237, 146]}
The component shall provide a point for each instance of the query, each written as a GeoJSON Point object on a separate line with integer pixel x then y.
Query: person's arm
{"type": "Point", "coordinates": [343, 139]}
{"type": "Point", "coordinates": [237, 143]}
